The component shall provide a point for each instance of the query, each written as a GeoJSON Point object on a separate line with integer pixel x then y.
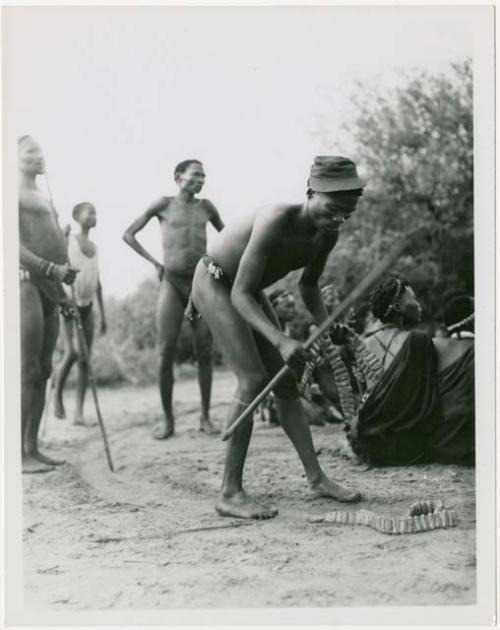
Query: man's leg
{"type": "Point", "coordinates": [87, 318]}
{"type": "Point", "coordinates": [62, 370]}
{"type": "Point", "coordinates": [32, 329]}
{"type": "Point", "coordinates": [237, 345]}
{"type": "Point", "coordinates": [51, 331]}
{"type": "Point", "coordinates": [169, 315]}
{"type": "Point", "coordinates": [203, 347]}
{"type": "Point", "coordinates": [292, 419]}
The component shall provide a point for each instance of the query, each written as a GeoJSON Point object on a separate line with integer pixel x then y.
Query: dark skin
{"type": "Point", "coordinates": [41, 239]}
{"type": "Point", "coordinates": [183, 221]}
{"type": "Point", "coordinates": [72, 351]}
{"type": "Point", "coordinates": [254, 253]}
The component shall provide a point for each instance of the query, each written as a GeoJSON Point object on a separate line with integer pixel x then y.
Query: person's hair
{"type": "Point", "coordinates": [184, 165]}
{"type": "Point", "coordinates": [459, 313]}
{"type": "Point", "coordinates": [24, 139]}
{"type": "Point", "coordinates": [77, 210]}
{"type": "Point", "coordinates": [385, 295]}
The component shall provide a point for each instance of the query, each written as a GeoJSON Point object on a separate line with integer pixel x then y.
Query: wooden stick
{"type": "Point", "coordinates": [86, 357]}
{"type": "Point", "coordinates": [85, 350]}
{"type": "Point", "coordinates": [392, 255]}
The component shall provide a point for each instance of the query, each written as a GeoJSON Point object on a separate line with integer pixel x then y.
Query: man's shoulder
{"type": "Point", "coordinates": [207, 206]}
{"type": "Point", "coordinates": [278, 211]}
{"type": "Point", "coordinates": [159, 205]}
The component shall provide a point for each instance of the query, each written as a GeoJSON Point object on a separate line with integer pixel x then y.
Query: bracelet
{"type": "Point", "coordinates": [43, 266]}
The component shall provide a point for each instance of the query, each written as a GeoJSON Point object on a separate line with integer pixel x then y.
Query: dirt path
{"type": "Point", "coordinates": [147, 537]}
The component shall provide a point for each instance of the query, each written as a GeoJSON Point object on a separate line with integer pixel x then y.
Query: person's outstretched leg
{"type": "Point", "coordinates": [169, 315]}
{"type": "Point", "coordinates": [64, 367]}
{"type": "Point", "coordinates": [32, 330]}
{"type": "Point", "coordinates": [87, 318]}
{"type": "Point", "coordinates": [203, 346]}
{"type": "Point", "coordinates": [237, 345]}
{"type": "Point", "coordinates": [292, 419]}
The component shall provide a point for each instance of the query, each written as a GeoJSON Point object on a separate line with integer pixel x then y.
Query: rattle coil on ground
{"type": "Point", "coordinates": [422, 516]}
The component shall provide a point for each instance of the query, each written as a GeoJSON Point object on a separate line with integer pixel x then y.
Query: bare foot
{"type": "Point", "coordinates": [45, 459]}
{"type": "Point", "coordinates": [59, 410]}
{"type": "Point", "coordinates": [327, 488]}
{"type": "Point", "coordinates": [241, 505]}
{"type": "Point", "coordinates": [207, 427]}
{"type": "Point", "coordinates": [31, 465]}
{"type": "Point", "coordinates": [164, 431]}
{"type": "Point", "coordinates": [81, 421]}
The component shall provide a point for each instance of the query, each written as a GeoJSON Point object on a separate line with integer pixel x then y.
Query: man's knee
{"type": "Point", "coordinates": [286, 388]}
{"type": "Point", "coordinates": [166, 354]}
{"type": "Point", "coordinates": [80, 359]}
{"type": "Point", "coordinates": [252, 383]}
{"type": "Point", "coordinates": [45, 369]}
{"type": "Point", "coordinates": [31, 371]}
{"type": "Point", "coordinates": [204, 353]}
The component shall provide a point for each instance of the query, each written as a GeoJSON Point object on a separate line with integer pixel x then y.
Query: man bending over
{"type": "Point", "coordinates": [228, 292]}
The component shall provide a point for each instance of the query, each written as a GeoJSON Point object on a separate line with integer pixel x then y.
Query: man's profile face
{"type": "Point", "coordinates": [331, 209]}
{"type": "Point", "coordinates": [192, 179]}
{"type": "Point", "coordinates": [31, 160]}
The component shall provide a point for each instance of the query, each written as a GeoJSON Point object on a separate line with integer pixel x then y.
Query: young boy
{"type": "Point", "coordinates": [82, 253]}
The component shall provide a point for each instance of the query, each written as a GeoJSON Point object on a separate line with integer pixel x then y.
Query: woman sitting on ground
{"type": "Point", "coordinates": [400, 409]}
{"type": "Point", "coordinates": [453, 439]}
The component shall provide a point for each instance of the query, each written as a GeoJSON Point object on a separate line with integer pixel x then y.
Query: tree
{"type": "Point", "coordinates": [414, 143]}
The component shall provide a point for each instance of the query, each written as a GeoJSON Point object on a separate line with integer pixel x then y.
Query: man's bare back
{"type": "Point", "coordinates": [291, 249]}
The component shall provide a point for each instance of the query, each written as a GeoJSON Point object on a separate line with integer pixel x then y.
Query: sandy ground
{"type": "Point", "coordinates": [147, 537]}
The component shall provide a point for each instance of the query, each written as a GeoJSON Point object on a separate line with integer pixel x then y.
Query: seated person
{"type": "Point", "coordinates": [453, 439]}
{"type": "Point", "coordinates": [400, 409]}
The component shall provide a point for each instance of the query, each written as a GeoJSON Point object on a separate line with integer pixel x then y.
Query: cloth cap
{"type": "Point", "coordinates": [333, 173]}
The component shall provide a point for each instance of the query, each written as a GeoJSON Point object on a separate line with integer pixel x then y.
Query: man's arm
{"type": "Point", "coordinates": [30, 261]}
{"type": "Point", "coordinates": [308, 283]}
{"type": "Point", "coordinates": [214, 216]}
{"type": "Point", "coordinates": [248, 279]}
{"type": "Point", "coordinates": [138, 225]}
{"type": "Point", "coordinates": [267, 226]}
{"type": "Point", "coordinates": [100, 301]}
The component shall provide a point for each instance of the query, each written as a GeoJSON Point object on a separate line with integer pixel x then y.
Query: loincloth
{"type": "Point", "coordinates": [182, 285]}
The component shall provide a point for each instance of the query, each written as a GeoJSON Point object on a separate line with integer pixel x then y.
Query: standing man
{"type": "Point", "coordinates": [183, 221]}
{"type": "Point", "coordinates": [82, 253]}
{"type": "Point", "coordinates": [43, 266]}
{"type": "Point", "coordinates": [228, 292]}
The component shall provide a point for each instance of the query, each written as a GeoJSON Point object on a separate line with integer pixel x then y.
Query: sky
{"type": "Point", "coordinates": [117, 96]}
